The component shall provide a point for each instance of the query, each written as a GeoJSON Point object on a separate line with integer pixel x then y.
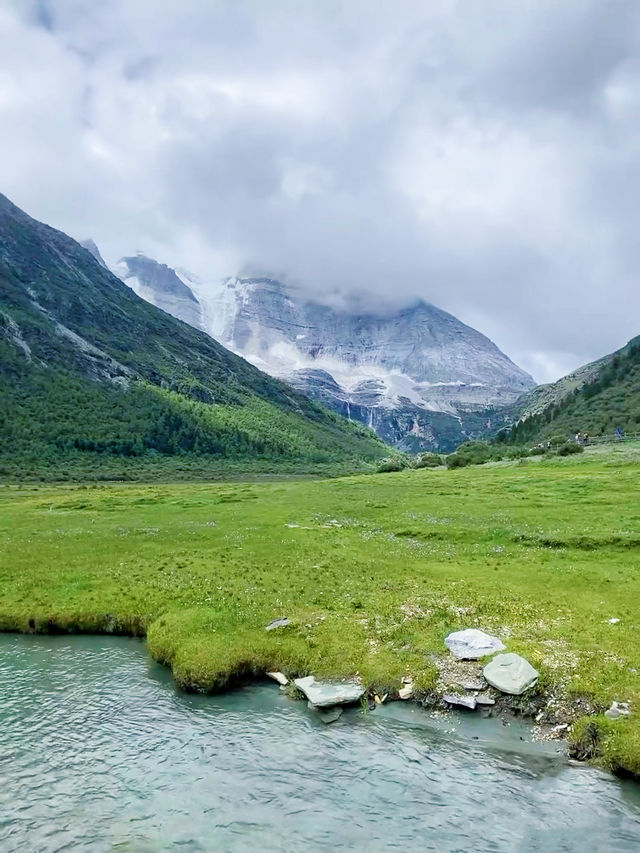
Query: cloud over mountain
{"type": "Point", "coordinates": [481, 156]}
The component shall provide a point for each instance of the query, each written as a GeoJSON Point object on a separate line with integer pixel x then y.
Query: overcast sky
{"type": "Point", "coordinates": [482, 155]}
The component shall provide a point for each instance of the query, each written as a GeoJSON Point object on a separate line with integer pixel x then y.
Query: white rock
{"type": "Point", "coordinates": [617, 709]}
{"type": "Point", "coordinates": [324, 694]}
{"type": "Point", "coordinates": [484, 700]}
{"type": "Point", "coordinates": [613, 621]}
{"type": "Point", "coordinates": [510, 673]}
{"type": "Point", "coordinates": [472, 644]}
{"type": "Point", "coordinates": [279, 677]}
{"type": "Point", "coordinates": [406, 692]}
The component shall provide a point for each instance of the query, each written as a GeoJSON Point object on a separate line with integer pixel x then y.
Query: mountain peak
{"type": "Point", "coordinates": [90, 246]}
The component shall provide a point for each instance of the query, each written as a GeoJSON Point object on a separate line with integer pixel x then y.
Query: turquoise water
{"type": "Point", "coordinates": [99, 752]}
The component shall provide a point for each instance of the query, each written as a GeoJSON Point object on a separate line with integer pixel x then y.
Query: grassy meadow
{"type": "Point", "coordinates": [373, 571]}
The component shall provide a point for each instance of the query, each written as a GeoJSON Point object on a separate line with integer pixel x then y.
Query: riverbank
{"type": "Point", "coordinates": [372, 572]}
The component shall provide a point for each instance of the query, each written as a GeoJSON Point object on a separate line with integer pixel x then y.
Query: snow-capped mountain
{"type": "Point", "coordinates": [418, 376]}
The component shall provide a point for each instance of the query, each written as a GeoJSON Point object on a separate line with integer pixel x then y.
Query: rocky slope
{"type": "Point", "coordinates": [89, 373]}
{"type": "Point", "coordinates": [418, 376]}
{"type": "Point", "coordinates": [159, 284]}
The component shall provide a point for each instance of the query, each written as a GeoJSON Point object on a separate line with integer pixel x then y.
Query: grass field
{"type": "Point", "coordinates": [372, 570]}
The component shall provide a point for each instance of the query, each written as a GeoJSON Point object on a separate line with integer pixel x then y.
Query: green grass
{"type": "Point", "coordinates": [372, 570]}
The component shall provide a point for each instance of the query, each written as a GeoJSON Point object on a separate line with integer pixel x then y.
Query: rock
{"type": "Point", "coordinates": [279, 677]}
{"type": "Point", "coordinates": [613, 621]}
{"type": "Point", "coordinates": [472, 644]}
{"type": "Point", "coordinates": [406, 692]}
{"type": "Point", "coordinates": [324, 694]}
{"type": "Point", "coordinates": [455, 699]}
{"type": "Point", "coordinates": [327, 716]}
{"type": "Point", "coordinates": [474, 685]}
{"type": "Point", "coordinates": [484, 700]}
{"type": "Point", "coordinates": [278, 623]}
{"type": "Point", "coordinates": [617, 709]}
{"type": "Point", "coordinates": [510, 673]}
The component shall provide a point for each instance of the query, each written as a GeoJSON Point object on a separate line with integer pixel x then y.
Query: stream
{"type": "Point", "coordinates": [100, 752]}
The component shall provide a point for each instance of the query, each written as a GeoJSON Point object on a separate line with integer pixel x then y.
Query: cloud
{"type": "Point", "coordinates": [481, 156]}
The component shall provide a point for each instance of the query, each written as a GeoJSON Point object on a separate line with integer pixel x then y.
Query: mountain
{"type": "Point", "coordinates": [90, 246]}
{"type": "Point", "coordinates": [418, 376]}
{"type": "Point", "coordinates": [597, 398]}
{"type": "Point", "coordinates": [94, 379]}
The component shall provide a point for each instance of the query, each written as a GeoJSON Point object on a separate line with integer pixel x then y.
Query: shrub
{"type": "Point", "coordinates": [392, 463]}
{"type": "Point", "coordinates": [557, 440]}
{"type": "Point", "coordinates": [428, 460]}
{"type": "Point", "coordinates": [570, 447]}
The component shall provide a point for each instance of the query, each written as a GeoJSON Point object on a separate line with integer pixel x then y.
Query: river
{"type": "Point", "coordinates": [99, 752]}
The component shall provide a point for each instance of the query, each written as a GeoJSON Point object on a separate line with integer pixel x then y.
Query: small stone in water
{"type": "Point", "coordinates": [327, 716]}
{"type": "Point", "coordinates": [327, 693]}
{"type": "Point", "coordinates": [465, 701]}
{"type": "Point", "coordinates": [279, 677]}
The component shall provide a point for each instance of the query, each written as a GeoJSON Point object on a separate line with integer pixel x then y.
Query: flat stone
{"type": "Point", "coordinates": [474, 685]}
{"type": "Point", "coordinates": [460, 699]}
{"type": "Point", "coordinates": [510, 673]}
{"type": "Point", "coordinates": [406, 692]}
{"type": "Point", "coordinates": [327, 716]}
{"type": "Point", "coordinates": [279, 677]}
{"type": "Point", "coordinates": [472, 644]}
{"type": "Point", "coordinates": [324, 694]}
{"type": "Point", "coordinates": [484, 700]}
{"type": "Point", "coordinates": [278, 623]}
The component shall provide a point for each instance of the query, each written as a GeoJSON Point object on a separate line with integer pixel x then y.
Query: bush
{"type": "Point", "coordinates": [570, 447]}
{"type": "Point", "coordinates": [428, 460]}
{"type": "Point", "coordinates": [392, 463]}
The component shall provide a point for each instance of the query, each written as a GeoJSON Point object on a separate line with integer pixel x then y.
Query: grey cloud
{"type": "Point", "coordinates": [482, 156]}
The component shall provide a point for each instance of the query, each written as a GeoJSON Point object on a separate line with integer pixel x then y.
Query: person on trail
{"type": "Point", "coordinates": [619, 433]}
{"type": "Point", "coordinates": [578, 437]}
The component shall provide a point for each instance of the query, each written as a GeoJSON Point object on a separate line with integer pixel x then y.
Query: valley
{"type": "Point", "coordinates": [372, 572]}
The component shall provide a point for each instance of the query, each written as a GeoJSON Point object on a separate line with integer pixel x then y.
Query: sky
{"type": "Point", "coordinates": [481, 155]}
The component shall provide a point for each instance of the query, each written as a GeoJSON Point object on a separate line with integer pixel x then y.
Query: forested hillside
{"type": "Point", "coordinates": [608, 400]}
{"type": "Point", "coordinates": [96, 382]}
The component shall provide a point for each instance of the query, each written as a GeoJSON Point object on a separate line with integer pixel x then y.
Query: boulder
{"type": "Point", "coordinates": [324, 694]}
{"type": "Point", "coordinates": [510, 673]}
{"type": "Point", "coordinates": [472, 644]}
